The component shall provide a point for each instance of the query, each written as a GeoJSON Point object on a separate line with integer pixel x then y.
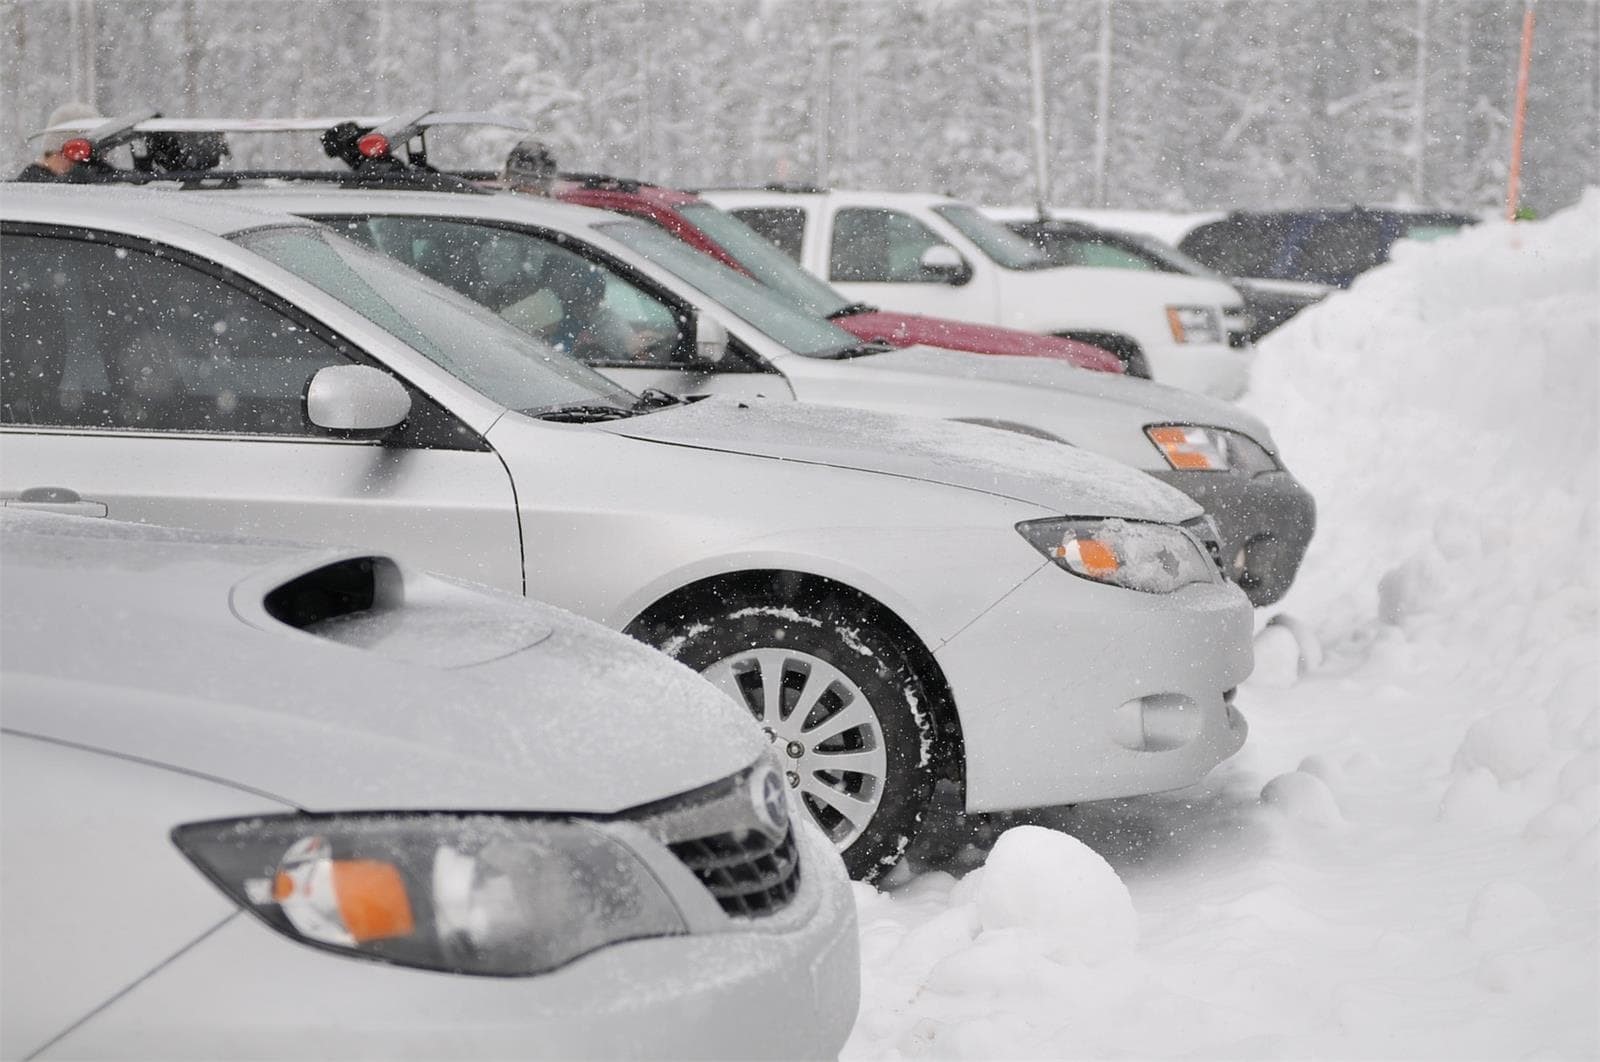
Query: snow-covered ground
{"type": "Point", "coordinates": [1402, 862]}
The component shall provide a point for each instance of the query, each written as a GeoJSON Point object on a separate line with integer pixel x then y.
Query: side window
{"type": "Point", "coordinates": [1238, 246]}
{"type": "Point", "coordinates": [1339, 248]}
{"type": "Point", "coordinates": [100, 336]}
{"type": "Point", "coordinates": [784, 227]}
{"type": "Point", "coordinates": [552, 293]}
{"type": "Point", "coordinates": [873, 245]}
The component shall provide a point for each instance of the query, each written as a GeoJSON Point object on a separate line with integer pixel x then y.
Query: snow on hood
{"type": "Point", "coordinates": [1163, 404]}
{"type": "Point", "coordinates": [1060, 479]}
{"type": "Point", "coordinates": [122, 638]}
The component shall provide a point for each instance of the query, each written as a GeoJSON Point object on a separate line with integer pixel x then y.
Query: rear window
{"type": "Point", "coordinates": [1238, 247]}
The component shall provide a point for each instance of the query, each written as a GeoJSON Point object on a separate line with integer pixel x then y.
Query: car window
{"type": "Point", "coordinates": [781, 319]}
{"type": "Point", "coordinates": [101, 336]}
{"type": "Point", "coordinates": [785, 227]}
{"type": "Point", "coordinates": [764, 261]}
{"type": "Point", "coordinates": [1431, 231]}
{"type": "Point", "coordinates": [1004, 247]}
{"type": "Point", "coordinates": [579, 307]}
{"type": "Point", "coordinates": [1239, 246]}
{"type": "Point", "coordinates": [1077, 251]}
{"type": "Point", "coordinates": [1337, 249]}
{"type": "Point", "coordinates": [879, 246]}
{"type": "Point", "coordinates": [482, 350]}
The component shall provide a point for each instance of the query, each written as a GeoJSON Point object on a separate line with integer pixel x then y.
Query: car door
{"type": "Point", "coordinates": [876, 256]}
{"type": "Point", "coordinates": [145, 384]}
{"type": "Point", "coordinates": [559, 291]}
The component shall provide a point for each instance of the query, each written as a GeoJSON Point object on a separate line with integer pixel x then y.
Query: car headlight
{"type": "Point", "coordinates": [1210, 449]}
{"type": "Point", "coordinates": [1154, 558]}
{"type": "Point", "coordinates": [473, 894]}
{"type": "Point", "coordinates": [1194, 324]}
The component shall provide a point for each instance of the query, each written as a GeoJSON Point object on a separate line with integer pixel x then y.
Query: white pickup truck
{"type": "Point", "coordinates": [931, 254]}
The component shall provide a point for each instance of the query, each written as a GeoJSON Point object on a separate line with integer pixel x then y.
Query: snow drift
{"type": "Point", "coordinates": [1402, 862]}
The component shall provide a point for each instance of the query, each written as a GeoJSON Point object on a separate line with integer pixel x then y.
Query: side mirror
{"type": "Point", "coordinates": [356, 400]}
{"type": "Point", "coordinates": [710, 340]}
{"type": "Point", "coordinates": [943, 264]}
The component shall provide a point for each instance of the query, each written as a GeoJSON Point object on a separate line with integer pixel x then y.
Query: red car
{"type": "Point", "coordinates": [726, 238]}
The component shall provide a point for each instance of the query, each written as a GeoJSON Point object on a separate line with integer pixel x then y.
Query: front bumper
{"type": "Point", "coordinates": [1069, 690]}
{"type": "Point", "coordinates": [785, 988]}
{"type": "Point", "coordinates": [1216, 369]}
{"type": "Point", "coordinates": [1265, 523]}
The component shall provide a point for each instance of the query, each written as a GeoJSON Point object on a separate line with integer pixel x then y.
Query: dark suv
{"type": "Point", "coordinates": [1329, 247]}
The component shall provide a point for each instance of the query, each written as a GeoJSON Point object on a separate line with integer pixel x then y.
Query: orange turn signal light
{"type": "Point", "coordinates": [1181, 450]}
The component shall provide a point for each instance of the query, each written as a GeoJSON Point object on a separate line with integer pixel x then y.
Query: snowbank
{"type": "Point", "coordinates": [1402, 862]}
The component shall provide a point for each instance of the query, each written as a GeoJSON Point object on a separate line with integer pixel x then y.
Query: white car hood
{"type": "Point", "coordinates": [1029, 377]}
{"type": "Point", "coordinates": [1078, 297]}
{"type": "Point", "coordinates": [1059, 479]}
{"type": "Point", "coordinates": [143, 643]}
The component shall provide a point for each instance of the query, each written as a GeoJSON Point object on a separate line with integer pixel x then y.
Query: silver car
{"type": "Point", "coordinates": [895, 600]}
{"type": "Point", "coordinates": [280, 802]}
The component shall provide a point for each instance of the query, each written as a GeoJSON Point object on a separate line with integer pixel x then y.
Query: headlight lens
{"type": "Point", "coordinates": [1194, 324]}
{"type": "Point", "coordinates": [473, 894]}
{"type": "Point", "coordinates": [1154, 558]}
{"type": "Point", "coordinates": [1210, 449]}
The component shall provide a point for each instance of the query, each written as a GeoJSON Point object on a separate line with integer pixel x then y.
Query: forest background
{"type": "Point", "coordinates": [1162, 104]}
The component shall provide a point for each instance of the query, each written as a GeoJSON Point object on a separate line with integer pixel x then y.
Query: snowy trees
{"type": "Point", "coordinates": [1191, 104]}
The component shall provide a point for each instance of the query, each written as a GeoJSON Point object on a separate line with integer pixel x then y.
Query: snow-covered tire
{"type": "Point", "coordinates": [865, 708]}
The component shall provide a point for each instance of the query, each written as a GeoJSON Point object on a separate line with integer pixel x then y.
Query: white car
{"type": "Point", "coordinates": [931, 254]}
{"type": "Point", "coordinates": [277, 802]}
{"type": "Point", "coordinates": [618, 293]}
{"type": "Point", "coordinates": [893, 599]}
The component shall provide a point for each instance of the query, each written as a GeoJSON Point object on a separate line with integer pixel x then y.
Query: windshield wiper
{"type": "Point", "coordinates": [581, 413]}
{"type": "Point", "coordinates": [655, 398]}
{"type": "Point", "coordinates": [857, 350]}
{"type": "Point", "coordinates": [851, 310]}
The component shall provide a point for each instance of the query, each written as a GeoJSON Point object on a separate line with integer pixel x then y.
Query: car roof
{"type": "Point", "coordinates": [134, 211]}
{"type": "Point", "coordinates": [833, 196]}
{"type": "Point", "coordinates": [499, 206]}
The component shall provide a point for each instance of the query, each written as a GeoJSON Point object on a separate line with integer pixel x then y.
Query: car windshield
{"type": "Point", "coordinates": [1006, 248]}
{"type": "Point", "coordinates": [764, 261]}
{"type": "Point", "coordinates": [494, 358]}
{"type": "Point", "coordinates": [780, 318]}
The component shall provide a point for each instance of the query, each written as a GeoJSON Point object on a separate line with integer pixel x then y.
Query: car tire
{"type": "Point", "coordinates": [846, 695]}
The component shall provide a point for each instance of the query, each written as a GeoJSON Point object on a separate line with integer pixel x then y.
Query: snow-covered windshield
{"type": "Point", "coordinates": [496, 359]}
{"type": "Point", "coordinates": [763, 260]}
{"type": "Point", "coordinates": [1006, 248]}
{"type": "Point", "coordinates": [780, 318]}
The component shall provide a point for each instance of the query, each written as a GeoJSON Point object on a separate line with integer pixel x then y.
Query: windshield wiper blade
{"type": "Point", "coordinates": [655, 398]}
{"type": "Point", "coordinates": [859, 350]}
{"type": "Point", "coordinates": [851, 310]}
{"type": "Point", "coordinates": [580, 413]}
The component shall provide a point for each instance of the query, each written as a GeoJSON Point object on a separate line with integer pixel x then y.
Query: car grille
{"type": "Point", "coordinates": [716, 833]}
{"type": "Point", "coordinates": [750, 876]}
{"type": "Point", "coordinates": [1205, 529]}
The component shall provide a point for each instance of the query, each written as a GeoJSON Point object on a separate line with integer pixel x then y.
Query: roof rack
{"type": "Point", "coordinates": [605, 182]}
{"type": "Point", "coordinates": [189, 150]}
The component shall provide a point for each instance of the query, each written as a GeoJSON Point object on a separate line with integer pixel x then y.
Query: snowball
{"type": "Point", "coordinates": [1062, 891]}
{"type": "Point", "coordinates": [1510, 742]}
{"type": "Point", "coordinates": [1558, 820]}
{"type": "Point", "coordinates": [1473, 796]}
{"type": "Point", "coordinates": [1304, 798]}
{"type": "Point", "coordinates": [1504, 914]}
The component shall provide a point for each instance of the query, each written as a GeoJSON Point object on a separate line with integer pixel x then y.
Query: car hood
{"type": "Point", "coordinates": [1032, 296]}
{"type": "Point", "coordinates": [1036, 383]}
{"type": "Point", "coordinates": [906, 329]}
{"type": "Point", "coordinates": [1057, 478]}
{"type": "Point", "coordinates": [162, 646]}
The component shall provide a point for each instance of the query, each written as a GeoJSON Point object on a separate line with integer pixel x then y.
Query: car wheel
{"type": "Point", "coordinates": [845, 710]}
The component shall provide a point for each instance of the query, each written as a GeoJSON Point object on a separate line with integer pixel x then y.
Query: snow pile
{"type": "Point", "coordinates": [1403, 860]}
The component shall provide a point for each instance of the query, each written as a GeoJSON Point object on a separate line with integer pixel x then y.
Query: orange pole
{"type": "Point", "coordinates": [1512, 189]}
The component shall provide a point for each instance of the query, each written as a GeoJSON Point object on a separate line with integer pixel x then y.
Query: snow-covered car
{"type": "Point", "coordinates": [618, 293]}
{"type": "Point", "coordinates": [894, 599]}
{"type": "Point", "coordinates": [920, 253]}
{"type": "Point", "coordinates": [282, 802]}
